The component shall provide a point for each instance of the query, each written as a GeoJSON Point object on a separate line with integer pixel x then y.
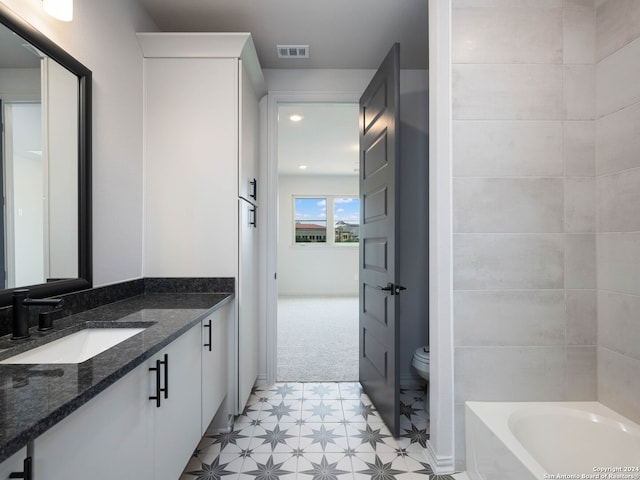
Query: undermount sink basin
{"type": "Point", "coordinates": [76, 347]}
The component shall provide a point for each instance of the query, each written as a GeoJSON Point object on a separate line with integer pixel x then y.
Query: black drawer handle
{"type": "Point", "coordinates": [210, 342]}
{"type": "Point", "coordinates": [254, 189]}
{"type": "Point", "coordinates": [166, 376]}
{"type": "Point", "coordinates": [156, 397]}
{"type": "Point", "coordinates": [27, 473]}
{"type": "Point", "coordinates": [253, 222]}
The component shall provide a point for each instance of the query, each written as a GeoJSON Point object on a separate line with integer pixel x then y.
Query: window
{"type": "Point", "coordinates": [311, 215]}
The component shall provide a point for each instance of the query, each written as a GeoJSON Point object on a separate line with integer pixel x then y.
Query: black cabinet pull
{"type": "Point", "coordinates": [166, 376]}
{"type": "Point", "coordinates": [254, 189]}
{"type": "Point", "coordinates": [210, 342]}
{"type": "Point", "coordinates": [27, 473]}
{"type": "Point", "coordinates": [253, 221]}
{"type": "Point", "coordinates": [158, 389]}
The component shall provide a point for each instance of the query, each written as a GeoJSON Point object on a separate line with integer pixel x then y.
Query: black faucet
{"type": "Point", "coordinates": [21, 303]}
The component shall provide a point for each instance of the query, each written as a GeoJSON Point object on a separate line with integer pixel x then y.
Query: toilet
{"type": "Point", "coordinates": [421, 362]}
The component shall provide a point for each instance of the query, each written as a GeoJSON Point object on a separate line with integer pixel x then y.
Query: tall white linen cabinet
{"type": "Point", "coordinates": [201, 159]}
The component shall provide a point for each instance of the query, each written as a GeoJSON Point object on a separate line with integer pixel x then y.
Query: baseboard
{"type": "Point", "coordinates": [261, 379]}
{"type": "Point", "coordinates": [441, 465]}
{"type": "Point", "coordinates": [411, 381]}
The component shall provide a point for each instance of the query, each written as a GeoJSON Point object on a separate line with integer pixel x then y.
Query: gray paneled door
{"type": "Point", "coordinates": [379, 157]}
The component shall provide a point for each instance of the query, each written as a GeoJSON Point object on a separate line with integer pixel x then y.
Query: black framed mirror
{"type": "Point", "coordinates": [62, 236]}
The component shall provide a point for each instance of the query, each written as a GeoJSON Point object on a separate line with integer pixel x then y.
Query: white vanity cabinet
{"type": "Point", "coordinates": [216, 337]}
{"type": "Point", "coordinates": [202, 96]}
{"type": "Point", "coordinates": [122, 433]}
{"type": "Point", "coordinates": [13, 464]}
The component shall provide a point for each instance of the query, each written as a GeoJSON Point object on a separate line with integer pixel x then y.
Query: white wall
{"type": "Point", "coordinates": [311, 269]}
{"type": "Point", "coordinates": [20, 84]}
{"type": "Point", "coordinates": [102, 37]}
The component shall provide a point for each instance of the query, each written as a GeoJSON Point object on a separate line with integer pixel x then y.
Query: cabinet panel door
{"type": "Point", "coordinates": [215, 364]}
{"type": "Point", "coordinates": [247, 328]}
{"type": "Point", "coordinates": [248, 167]}
{"type": "Point", "coordinates": [13, 464]}
{"type": "Point", "coordinates": [177, 421]}
{"type": "Point", "coordinates": [191, 163]}
{"type": "Point", "coordinates": [109, 437]}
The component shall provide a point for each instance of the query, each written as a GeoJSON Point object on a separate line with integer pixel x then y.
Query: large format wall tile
{"type": "Point", "coordinates": [580, 205]}
{"type": "Point", "coordinates": [516, 92]}
{"type": "Point", "coordinates": [582, 317]}
{"type": "Point", "coordinates": [619, 262]}
{"type": "Point", "coordinates": [618, 201]}
{"type": "Point", "coordinates": [618, 140]}
{"type": "Point", "coordinates": [617, 24]}
{"type": "Point", "coordinates": [508, 261]}
{"type": "Point", "coordinates": [617, 84]}
{"type": "Point", "coordinates": [534, 148]}
{"type": "Point", "coordinates": [618, 385]}
{"type": "Point", "coordinates": [579, 148]}
{"type": "Point", "coordinates": [579, 92]}
{"type": "Point", "coordinates": [582, 379]}
{"type": "Point", "coordinates": [509, 373]}
{"type": "Point", "coordinates": [618, 325]}
{"type": "Point", "coordinates": [579, 32]}
{"type": "Point", "coordinates": [580, 261]}
{"type": "Point", "coordinates": [507, 35]}
{"type": "Point", "coordinates": [507, 205]}
{"type": "Point", "coordinates": [515, 317]}
{"type": "Point", "coordinates": [508, 3]}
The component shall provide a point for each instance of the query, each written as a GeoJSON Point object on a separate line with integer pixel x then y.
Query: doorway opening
{"type": "Point", "coordinates": [318, 242]}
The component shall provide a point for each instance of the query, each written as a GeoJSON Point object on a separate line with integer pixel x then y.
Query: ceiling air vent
{"type": "Point", "coordinates": [293, 51]}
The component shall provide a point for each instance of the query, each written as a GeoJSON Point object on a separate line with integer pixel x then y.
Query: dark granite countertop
{"type": "Point", "coordinates": [33, 398]}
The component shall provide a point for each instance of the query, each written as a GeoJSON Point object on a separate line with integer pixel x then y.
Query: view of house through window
{"type": "Point", "coordinates": [313, 214]}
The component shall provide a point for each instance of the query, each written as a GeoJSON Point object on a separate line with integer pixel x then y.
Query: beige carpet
{"type": "Point", "coordinates": [317, 339]}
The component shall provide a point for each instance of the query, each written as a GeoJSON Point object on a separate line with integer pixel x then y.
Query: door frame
{"type": "Point", "coordinates": [269, 260]}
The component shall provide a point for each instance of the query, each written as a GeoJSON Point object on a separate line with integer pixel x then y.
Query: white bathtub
{"type": "Point", "coordinates": [549, 440]}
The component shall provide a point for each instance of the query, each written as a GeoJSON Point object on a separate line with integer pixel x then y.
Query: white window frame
{"type": "Point", "coordinates": [330, 242]}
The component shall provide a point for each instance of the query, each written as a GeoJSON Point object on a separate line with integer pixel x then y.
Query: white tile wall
{"type": "Point", "coordinates": [516, 92]}
{"type": "Point", "coordinates": [618, 325]}
{"type": "Point", "coordinates": [618, 140]}
{"type": "Point", "coordinates": [534, 148]}
{"type": "Point", "coordinates": [581, 383]}
{"type": "Point", "coordinates": [510, 373]}
{"type": "Point", "coordinates": [580, 205]}
{"type": "Point", "coordinates": [582, 317]}
{"type": "Point", "coordinates": [508, 205]}
{"type": "Point", "coordinates": [618, 201]}
{"type": "Point", "coordinates": [506, 261]}
{"type": "Point", "coordinates": [579, 33]}
{"type": "Point", "coordinates": [579, 92]}
{"type": "Point", "coordinates": [618, 385]}
{"type": "Point", "coordinates": [617, 84]}
{"type": "Point", "coordinates": [580, 261]}
{"type": "Point", "coordinates": [618, 23]}
{"type": "Point", "coordinates": [503, 318]}
{"type": "Point", "coordinates": [618, 260]}
{"type": "Point", "coordinates": [579, 148]}
{"type": "Point", "coordinates": [509, 35]}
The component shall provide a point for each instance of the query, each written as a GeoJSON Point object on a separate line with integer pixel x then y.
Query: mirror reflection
{"type": "Point", "coordinates": [39, 148]}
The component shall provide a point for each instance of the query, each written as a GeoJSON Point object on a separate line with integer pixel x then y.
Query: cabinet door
{"type": "Point", "coordinates": [191, 166]}
{"type": "Point", "coordinates": [215, 363]}
{"type": "Point", "coordinates": [177, 421]}
{"type": "Point", "coordinates": [247, 327]}
{"type": "Point", "coordinates": [109, 437]}
{"type": "Point", "coordinates": [248, 168]}
{"type": "Point", "coordinates": [13, 464]}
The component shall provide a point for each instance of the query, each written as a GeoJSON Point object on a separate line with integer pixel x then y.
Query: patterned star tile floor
{"type": "Point", "coordinates": [316, 431]}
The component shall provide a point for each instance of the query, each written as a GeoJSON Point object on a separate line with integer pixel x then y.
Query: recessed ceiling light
{"type": "Point", "coordinates": [302, 167]}
{"type": "Point", "coordinates": [295, 117]}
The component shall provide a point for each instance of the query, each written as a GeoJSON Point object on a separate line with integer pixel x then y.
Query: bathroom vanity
{"type": "Point", "coordinates": [136, 410]}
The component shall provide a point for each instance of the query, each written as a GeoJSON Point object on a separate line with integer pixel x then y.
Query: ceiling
{"type": "Point", "coordinates": [340, 33]}
{"type": "Point", "coordinates": [325, 140]}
